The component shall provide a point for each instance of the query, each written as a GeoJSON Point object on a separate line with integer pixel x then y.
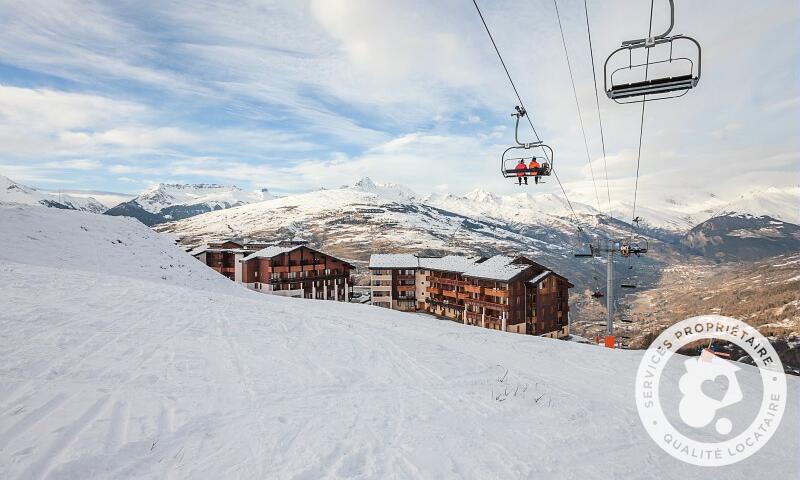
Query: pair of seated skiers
{"type": "Point", "coordinates": [533, 169]}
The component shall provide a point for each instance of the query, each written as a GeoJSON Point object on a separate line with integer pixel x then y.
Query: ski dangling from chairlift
{"type": "Point", "coordinates": [654, 79]}
{"type": "Point", "coordinates": [526, 160]}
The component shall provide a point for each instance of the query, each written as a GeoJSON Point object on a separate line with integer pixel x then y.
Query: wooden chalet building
{"type": "Point", "coordinates": [292, 270]}
{"type": "Point", "coordinates": [224, 257]}
{"type": "Point", "coordinates": [512, 294]}
{"type": "Point", "coordinates": [446, 292]}
{"type": "Point", "coordinates": [517, 295]}
{"type": "Point", "coordinates": [297, 271]}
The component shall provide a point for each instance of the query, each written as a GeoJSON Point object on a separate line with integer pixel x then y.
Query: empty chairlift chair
{"type": "Point", "coordinates": [651, 79]}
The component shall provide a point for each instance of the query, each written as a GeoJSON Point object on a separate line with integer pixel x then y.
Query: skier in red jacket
{"type": "Point", "coordinates": [521, 174]}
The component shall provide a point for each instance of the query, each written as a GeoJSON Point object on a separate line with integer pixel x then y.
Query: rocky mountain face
{"type": "Point", "coordinates": [744, 237]}
{"type": "Point", "coordinates": [13, 192]}
{"type": "Point", "coordinates": [169, 202]}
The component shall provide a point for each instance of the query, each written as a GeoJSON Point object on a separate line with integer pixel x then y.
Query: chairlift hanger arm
{"type": "Point", "coordinates": [657, 37]}
{"type": "Point", "coordinates": [521, 113]}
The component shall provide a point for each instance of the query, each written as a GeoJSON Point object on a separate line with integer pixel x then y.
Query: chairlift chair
{"type": "Point", "coordinates": [661, 86]}
{"type": "Point", "coordinates": [526, 152]}
{"type": "Point", "coordinates": [639, 246]}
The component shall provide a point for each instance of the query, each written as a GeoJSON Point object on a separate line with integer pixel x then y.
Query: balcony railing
{"type": "Point", "coordinates": [448, 281]}
{"type": "Point", "coordinates": [473, 289]}
{"type": "Point", "coordinates": [494, 292]}
{"type": "Point", "coordinates": [483, 303]}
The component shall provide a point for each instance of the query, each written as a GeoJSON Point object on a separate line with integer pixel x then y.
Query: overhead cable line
{"type": "Point", "coordinates": [577, 104]}
{"type": "Point", "coordinates": [641, 129]}
{"type": "Point", "coordinates": [599, 117]}
{"type": "Point", "coordinates": [522, 105]}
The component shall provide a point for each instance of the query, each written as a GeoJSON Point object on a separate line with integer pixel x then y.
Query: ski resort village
{"type": "Point", "coordinates": [372, 239]}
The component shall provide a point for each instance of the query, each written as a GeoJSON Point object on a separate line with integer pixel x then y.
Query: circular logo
{"type": "Point", "coordinates": [706, 415]}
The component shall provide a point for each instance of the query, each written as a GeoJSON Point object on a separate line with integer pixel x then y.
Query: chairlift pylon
{"type": "Point", "coordinates": [661, 86]}
{"type": "Point", "coordinates": [513, 155]}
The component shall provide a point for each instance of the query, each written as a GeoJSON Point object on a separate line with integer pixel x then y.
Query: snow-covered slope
{"type": "Point", "coordinates": [353, 222]}
{"type": "Point", "coordinates": [108, 199]}
{"type": "Point", "coordinates": [13, 192]}
{"type": "Point", "coordinates": [367, 217]}
{"type": "Point", "coordinates": [111, 370]}
{"type": "Point", "coordinates": [529, 208]}
{"type": "Point", "coordinates": [681, 215]}
{"type": "Point", "coordinates": [166, 202]}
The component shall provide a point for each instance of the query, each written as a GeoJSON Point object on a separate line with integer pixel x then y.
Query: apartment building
{"type": "Point", "coordinates": [292, 270]}
{"type": "Point", "coordinates": [516, 294]}
{"type": "Point", "coordinates": [445, 292]}
{"type": "Point", "coordinates": [224, 257]}
{"type": "Point", "coordinates": [393, 281]}
{"type": "Point", "coordinates": [512, 294]}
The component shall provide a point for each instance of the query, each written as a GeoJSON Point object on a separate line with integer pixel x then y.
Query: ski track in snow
{"type": "Point", "coordinates": [110, 371]}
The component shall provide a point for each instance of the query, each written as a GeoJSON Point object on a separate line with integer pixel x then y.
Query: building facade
{"type": "Point", "coordinates": [393, 281]}
{"type": "Point", "coordinates": [297, 271]}
{"type": "Point", "coordinates": [517, 295]}
{"type": "Point", "coordinates": [224, 257]}
{"type": "Point", "coordinates": [292, 270]}
{"type": "Point", "coordinates": [513, 294]}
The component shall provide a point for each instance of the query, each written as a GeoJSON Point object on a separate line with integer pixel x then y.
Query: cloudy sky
{"type": "Point", "coordinates": [293, 95]}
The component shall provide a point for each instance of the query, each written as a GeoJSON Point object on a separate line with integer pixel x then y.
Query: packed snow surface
{"type": "Point", "coordinates": [123, 357]}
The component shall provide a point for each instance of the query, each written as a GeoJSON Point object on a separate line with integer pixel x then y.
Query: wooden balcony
{"type": "Point", "coordinates": [473, 289]}
{"type": "Point", "coordinates": [496, 292]}
{"type": "Point", "coordinates": [484, 303]}
{"type": "Point", "coordinates": [448, 281]}
{"type": "Point", "coordinates": [434, 291]}
{"type": "Point", "coordinates": [406, 288]}
{"type": "Point", "coordinates": [450, 293]}
{"type": "Point", "coordinates": [406, 277]}
{"type": "Point", "coordinates": [477, 317]}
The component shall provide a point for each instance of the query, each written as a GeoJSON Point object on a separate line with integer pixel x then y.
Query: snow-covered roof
{"type": "Point", "coordinates": [197, 250]}
{"type": "Point", "coordinates": [498, 267]}
{"type": "Point", "coordinates": [393, 260]}
{"type": "Point", "coordinates": [271, 251]}
{"type": "Point", "coordinates": [450, 263]}
{"type": "Point", "coordinates": [540, 277]}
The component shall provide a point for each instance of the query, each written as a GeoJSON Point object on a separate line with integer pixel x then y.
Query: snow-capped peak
{"type": "Point", "coordinates": [392, 191]}
{"type": "Point", "coordinates": [215, 196]}
{"type": "Point", "coordinates": [481, 195]}
{"type": "Point", "coordinates": [13, 192]}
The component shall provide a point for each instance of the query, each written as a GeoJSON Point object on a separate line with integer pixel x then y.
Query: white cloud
{"type": "Point", "coordinates": [394, 86]}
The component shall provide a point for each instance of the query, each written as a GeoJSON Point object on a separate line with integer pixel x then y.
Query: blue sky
{"type": "Point", "coordinates": [293, 95]}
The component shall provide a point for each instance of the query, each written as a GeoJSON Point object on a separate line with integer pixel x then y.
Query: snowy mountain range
{"type": "Point", "coordinates": [13, 192]}
{"type": "Point", "coordinates": [167, 202]}
{"type": "Point", "coordinates": [354, 221]}
{"type": "Point", "coordinates": [137, 361]}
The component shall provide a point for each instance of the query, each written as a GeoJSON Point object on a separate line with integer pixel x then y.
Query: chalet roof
{"type": "Point", "coordinates": [393, 260]}
{"type": "Point", "coordinates": [449, 263]}
{"type": "Point", "coordinates": [271, 251]}
{"type": "Point", "coordinates": [499, 267]}
{"type": "Point", "coordinates": [540, 277]}
{"type": "Point", "coordinates": [197, 250]}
